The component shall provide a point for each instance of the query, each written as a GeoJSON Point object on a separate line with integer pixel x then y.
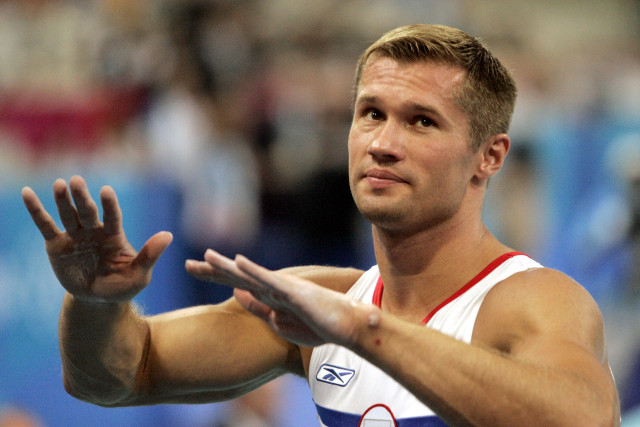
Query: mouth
{"type": "Point", "coordinates": [381, 178]}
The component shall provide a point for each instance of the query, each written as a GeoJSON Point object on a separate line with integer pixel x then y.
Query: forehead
{"type": "Point", "coordinates": [422, 80]}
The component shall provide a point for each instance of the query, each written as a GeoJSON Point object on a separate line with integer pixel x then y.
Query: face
{"type": "Point", "coordinates": [410, 161]}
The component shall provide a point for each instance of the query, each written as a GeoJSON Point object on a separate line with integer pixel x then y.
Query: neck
{"type": "Point", "coordinates": [421, 270]}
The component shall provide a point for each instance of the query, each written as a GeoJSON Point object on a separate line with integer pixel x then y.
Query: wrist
{"type": "Point", "coordinates": [368, 330]}
{"type": "Point", "coordinates": [94, 304]}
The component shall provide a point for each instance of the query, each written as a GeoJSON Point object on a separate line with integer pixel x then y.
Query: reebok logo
{"type": "Point", "coordinates": [335, 375]}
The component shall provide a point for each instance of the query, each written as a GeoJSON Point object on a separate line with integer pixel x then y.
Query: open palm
{"type": "Point", "coordinates": [93, 260]}
{"type": "Point", "coordinates": [296, 309]}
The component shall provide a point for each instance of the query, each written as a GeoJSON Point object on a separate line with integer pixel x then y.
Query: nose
{"type": "Point", "coordinates": [388, 142]}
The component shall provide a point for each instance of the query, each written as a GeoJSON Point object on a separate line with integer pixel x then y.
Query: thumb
{"type": "Point", "coordinates": [252, 305]}
{"type": "Point", "coordinates": [152, 249]}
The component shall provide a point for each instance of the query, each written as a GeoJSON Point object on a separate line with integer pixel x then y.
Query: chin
{"type": "Point", "coordinates": [403, 220]}
{"type": "Point", "coordinates": [383, 216]}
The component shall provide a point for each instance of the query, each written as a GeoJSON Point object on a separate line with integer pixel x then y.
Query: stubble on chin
{"type": "Point", "coordinates": [402, 218]}
{"type": "Point", "coordinates": [381, 213]}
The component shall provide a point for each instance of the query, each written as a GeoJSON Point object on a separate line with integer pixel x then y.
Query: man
{"type": "Point", "coordinates": [506, 342]}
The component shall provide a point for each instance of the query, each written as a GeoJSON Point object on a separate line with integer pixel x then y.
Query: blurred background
{"type": "Point", "coordinates": [225, 122]}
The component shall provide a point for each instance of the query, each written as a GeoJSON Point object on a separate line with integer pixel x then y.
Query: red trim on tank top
{"type": "Point", "coordinates": [377, 293]}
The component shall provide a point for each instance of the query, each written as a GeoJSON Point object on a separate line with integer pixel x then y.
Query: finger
{"type": "Point", "coordinates": [39, 214]}
{"type": "Point", "coordinates": [252, 305]}
{"type": "Point", "coordinates": [86, 208]}
{"type": "Point", "coordinates": [219, 269]}
{"type": "Point", "coordinates": [202, 270]}
{"type": "Point", "coordinates": [279, 290]}
{"type": "Point", "coordinates": [111, 212]}
{"type": "Point", "coordinates": [283, 322]}
{"type": "Point", "coordinates": [232, 275]}
{"type": "Point", "coordinates": [220, 261]}
{"type": "Point", "coordinates": [152, 249]}
{"type": "Point", "coordinates": [258, 273]}
{"type": "Point", "coordinates": [66, 210]}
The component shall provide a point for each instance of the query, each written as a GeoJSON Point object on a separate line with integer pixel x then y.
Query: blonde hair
{"type": "Point", "coordinates": [489, 92]}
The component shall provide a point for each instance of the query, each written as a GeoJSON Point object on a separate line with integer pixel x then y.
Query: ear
{"type": "Point", "coordinates": [492, 155]}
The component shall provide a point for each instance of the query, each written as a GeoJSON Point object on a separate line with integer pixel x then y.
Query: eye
{"type": "Point", "coordinates": [424, 121]}
{"type": "Point", "coordinates": [374, 114]}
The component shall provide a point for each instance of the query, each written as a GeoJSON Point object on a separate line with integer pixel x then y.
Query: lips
{"type": "Point", "coordinates": [381, 178]}
{"type": "Point", "coordinates": [383, 175]}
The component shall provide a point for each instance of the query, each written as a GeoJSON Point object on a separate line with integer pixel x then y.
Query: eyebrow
{"type": "Point", "coordinates": [414, 107]}
{"type": "Point", "coordinates": [367, 99]}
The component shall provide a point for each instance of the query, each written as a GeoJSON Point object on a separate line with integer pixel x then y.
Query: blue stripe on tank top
{"type": "Point", "coordinates": [334, 418]}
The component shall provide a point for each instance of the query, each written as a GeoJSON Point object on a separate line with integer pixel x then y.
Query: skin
{"type": "Point", "coordinates": [112, 355]}
{"type": "Point", "coordinates": [537, 354]}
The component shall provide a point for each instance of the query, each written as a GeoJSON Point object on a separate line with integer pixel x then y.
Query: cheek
{"type": "Point", "coordinates": [441, 174]}
{"type": "Point", "coordinates": [353, 138]}
{"type": "Point", "coordinates": [355, 147]}
{"type": "Point", "coordinates": [352, 157]}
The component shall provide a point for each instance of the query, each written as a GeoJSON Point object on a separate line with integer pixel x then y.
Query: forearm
{"type": "Point", "coordinates": [212, 353]}
{"type": "Point", "coordinates": [101, 346]}
{"type": "Point", "coordinates": [472, 385]}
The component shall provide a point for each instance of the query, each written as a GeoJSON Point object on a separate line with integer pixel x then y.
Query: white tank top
{"type": "Point", "coordinates": [349, 391]}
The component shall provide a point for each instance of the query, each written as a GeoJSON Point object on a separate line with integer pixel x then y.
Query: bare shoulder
{"type": "Point", "coordinates": [336, 278]}
{"type": "Point", "coordinates": [536, 304]}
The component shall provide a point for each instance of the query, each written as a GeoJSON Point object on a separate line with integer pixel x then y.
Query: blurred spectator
{"type": "Point", "coordinates": [515, 203]}
{"type": "Point", "coordinates": [624, 160]}
{"type": "Point", "coordinates": [47, 46]}
{"type": "Point", "coordinates": [17, 417]}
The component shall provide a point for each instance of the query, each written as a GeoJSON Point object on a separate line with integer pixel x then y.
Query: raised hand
{"type": "Point", "coordinates": [297, 309]}
{"type": "Point", "coordinates": [93, 260]}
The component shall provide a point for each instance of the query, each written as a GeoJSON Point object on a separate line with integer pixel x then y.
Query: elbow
{"type": "Point", "coordinates": [610, 415]}
{"type": "Point", "coordinates": [605, 415]}
{"type": "Point", "coordinates": [96, 393]}
{"type": "Point", "coordinates": [76, 391]}
{"type": "Point", "coordinates": [605, 420]}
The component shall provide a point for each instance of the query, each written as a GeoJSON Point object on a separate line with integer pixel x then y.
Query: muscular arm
{"type": "Point", "coordinates": [212, 353]}
{"type": "Point", "coordinates": [537, 356]}
{"type": "Point", "coordinates": [114, 356]}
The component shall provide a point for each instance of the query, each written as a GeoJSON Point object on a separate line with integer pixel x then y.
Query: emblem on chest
{"type": "Point", "coordinates": [335, 375]}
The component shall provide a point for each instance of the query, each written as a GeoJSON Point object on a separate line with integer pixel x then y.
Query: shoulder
{"type": "Point", "coordinates": [335, 278]}
{"type": "Point", "coordinates": [540, 302]}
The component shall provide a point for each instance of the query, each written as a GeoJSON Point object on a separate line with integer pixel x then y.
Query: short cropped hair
{"type": "Point", "coordinates": [488, 94]}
